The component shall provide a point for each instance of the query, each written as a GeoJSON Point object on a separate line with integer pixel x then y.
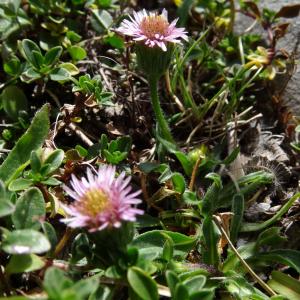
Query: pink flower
{"type": "Point", "coordinates": [101, 200]}
{"type": "Point", "coordinates": [152, 29]}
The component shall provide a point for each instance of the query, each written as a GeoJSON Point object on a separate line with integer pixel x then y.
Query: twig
{"type": "Point", "coordinates": [194, 173]}
{"type": "Point", "coordinates": [144, 187]}
{"type": "Point", "coordinates": [193, 133]}
{"type": "Point", "coordinates": [146, 195]}
{"type": "Point", "coordinates": [187, 114]}
{"type": "Point", "coordinates": [244, 263]}
{"type": "Point", "coordinates": [236, 166]}
{"type": "Point", "coordinates": [250, 27]}
{"type": "Point", "coordinates": [60, 246]}
{"type": "Point", "coordinates": [5, 151]}
{"type": "Point", "coordinates": [54, 97]}
{"type": "Point", "coordinates": [170, 92]}
{"type": "Point", "coordinates": [241, 50]}
{"type": "Point", "coordinates": [80, 134]}
{"type": "Point", "coordinates": [232, 15]}
{"type": "Point", "coordinates": [253, 199]}
{"type": "Point", "coordinates": [107, 83]}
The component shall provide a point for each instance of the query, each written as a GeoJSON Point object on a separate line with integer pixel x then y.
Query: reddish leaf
{"type": "Point", "coordinates": [289, 11]}
{"type": "Point", "coordinates": [253, 7]}
{"type": "Point", "coordinates": [280, 30]}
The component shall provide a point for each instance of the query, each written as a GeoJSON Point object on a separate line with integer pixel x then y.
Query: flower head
{"type": "Point", "coordinates": [101, 200]}
{"type": "Point", "coordinates": [152, 29]}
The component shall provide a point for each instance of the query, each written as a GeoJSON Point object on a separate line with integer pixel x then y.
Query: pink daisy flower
{"type": "Point", "coordinates": [152, 29]}
{"type": "Point", "coordinates": [101, 200]}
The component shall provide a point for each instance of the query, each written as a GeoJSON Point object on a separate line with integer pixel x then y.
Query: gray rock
{"type": "Point", "coordinates": [291, 95]}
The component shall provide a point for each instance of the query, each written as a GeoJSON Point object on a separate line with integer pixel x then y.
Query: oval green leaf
{"type": "Point", "coordinates": [30, 209]}
{"type": "Point", "coordinates": [14, 100]}
{"type": "Point", "coordinates": [31, 140]}
{"type": "Point", "coordinates": [25, 241]}
{"type": "Point", "coordinates": [142, 284]}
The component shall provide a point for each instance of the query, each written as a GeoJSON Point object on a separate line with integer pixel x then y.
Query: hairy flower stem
{"type": "Point", "coordinates": [161, 121]}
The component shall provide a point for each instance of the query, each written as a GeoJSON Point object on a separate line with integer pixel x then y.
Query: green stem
{"type": "Point", "coordinates": [162, 122]}
{"type": "Point", "coordinates": [247, 227]}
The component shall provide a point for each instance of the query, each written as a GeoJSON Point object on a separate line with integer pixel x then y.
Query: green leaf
{"type": "Point", "coordinates": [6, 207]}
{"type": "Point", "coordinates": [114, 41]}
{"type": "Point", "coordinates": [55, 282]}
{"type": "Point", "coordinates": [35, 162]}
{"type": "Point", "coordinates": [30, 210]}
{"type": "Point", "coordinates": [124, 143]}
{"type": "Point", "coordinates": [114, 157]}
{"type": "Point", "coordinates": [142, 284]}
{"type": "Point", "coordinates": [148, 167]}
{"type": "Point", "coordinates": [183, 11]}
{"type": "Point", "coordinates": [72, 69]}
{"type": "Point", "coordinates": [31, 140]}
{"type": "Point", "coordinates": [50, 233]}
{"type": "Point", "coordinates": [216, 179]}
{"type": "Point", "coordinates": [151, 243]}
{"type": "Point", "coordinates": [44, 171]}
{"type": "Point", "coordinates": [10, 6]}
{"type": "Point", "coordinates": [209, 202]}
{"type": "Point", "coordinates": [260, 226]}
{"type": "Point", "coordinates": [25, 241]}
{"type": "Point", "coordinates": [270, 237]}
{"type": "Point", "coordinates": [51, 181]}
{"type": "Point", "coordinates": [240, 288]}
{"type": "Point", "coordinates": [60, 74]}
{"type": "Point", "coordinates": [77, 53]}
{"type": "Point", "coordinates": [19, 184]}
{"type": "Point", "coordinates": [178, 182]}
{"type": "Point", "coordinates": [24, 263]}
{"type": "Point", "coordinates": [14, 100]}
{"type": "Point", "coordinates": [185, 162]}
{"type": "Point", "coordinates": [205, 294]}
{"type": "Point", "coordinates": [195, 284]}
{"type": "Point", "coordinates": [83, 152]}
{"type": "Point", "coordinates": [52, 56]}
{"type": "Point", "coordinates": [172, 280]}
{"type": "Point", "coordinates": [181, 292]}
{"type": "Point", "coordinates": [146, 220]}
{"type": "Point", "coordinates": [102, 292]}
{"type": "Point", "coordinates": [211, 236]}
{"type": "Point", "coordinates": [28, 47]}
{"type": "Point", "coordinates": [72, 35]}
{"type": "Point", "coordinates": [55, 159]}
{"type": "Point", "coordinates": [232, 261]}
{"type": "Point", "coordinates": [105, 3]}
{"type": "Point", "coordinates": [231, 157]}
{"type": "Point", "coordinates": [287, 257]}
{"type": "Point", "coordinates": [285, 285]}
{"type": "Point", "coordinates": [168, 249]}
{"type": "Point", "coordinates": [238, 212]}
{"type": "Point", "coordinates": [85, 287]}
{"type": "Point", "coordinates": [38, 59]}
{"type": "Point", "coordinates": [13, 66]}
{"type": "Point", "coordinates": [30, 75]}
{"type": "Point", "coordinates": [190, 198]}
{"type": "Point", "coordinates": [102, 17]}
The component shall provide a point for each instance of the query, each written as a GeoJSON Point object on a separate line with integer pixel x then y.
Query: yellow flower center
{"type": "Point", "coordinates": [93, 202]}
{"type": "Point", "coordinates": [153, 25]}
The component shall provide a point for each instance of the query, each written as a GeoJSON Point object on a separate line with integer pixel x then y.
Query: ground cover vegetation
{"type": "Point", "coordinates": [144, 156]}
